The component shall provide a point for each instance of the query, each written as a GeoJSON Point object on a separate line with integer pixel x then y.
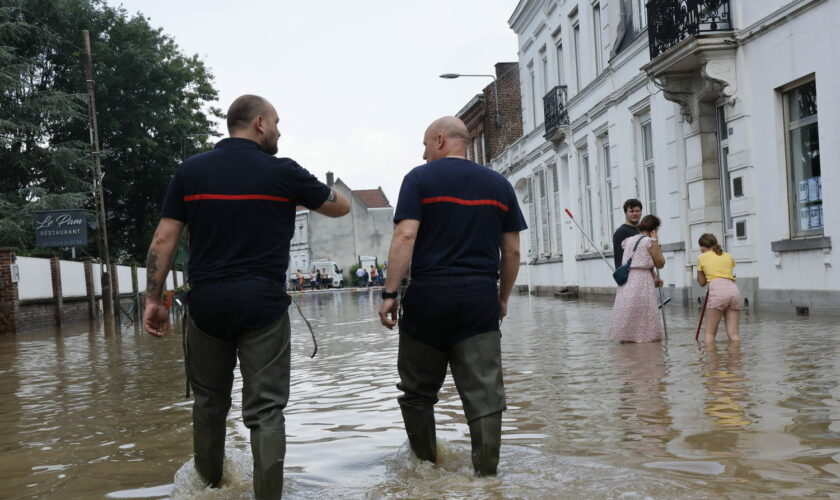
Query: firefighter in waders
{"type": "Point", "coordinates": [457, 223]}
{"type": "Point", "coordinates": [238, 203]}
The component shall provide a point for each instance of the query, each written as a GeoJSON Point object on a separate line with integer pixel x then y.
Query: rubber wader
{"type": "Point", "coordinates": [486, 438]}
{"type": "Point", "coordinates": [420, 427]}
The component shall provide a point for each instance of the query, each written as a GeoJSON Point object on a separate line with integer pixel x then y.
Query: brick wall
{"type": "Point", "coordinates": [9, 302]}
{"type": "Point", "coordinates": [480, 114]}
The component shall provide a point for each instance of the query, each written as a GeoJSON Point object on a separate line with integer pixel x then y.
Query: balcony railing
{"type": "Point", "coordinates": [672, 21]}
{"type": "Point", "coordinates": [556, 114]}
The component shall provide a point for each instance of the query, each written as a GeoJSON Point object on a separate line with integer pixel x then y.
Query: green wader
{"type": "Point", "coordinates": [264, 357]}
{"type": "Point", "coordinates": [476, 364]}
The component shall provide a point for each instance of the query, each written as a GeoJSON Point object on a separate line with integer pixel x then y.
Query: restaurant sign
{"type": "Point", "coordinates": [61, 228]}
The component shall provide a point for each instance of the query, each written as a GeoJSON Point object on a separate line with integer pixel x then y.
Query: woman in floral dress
{"type": "Point", "coordinates": [635, 313]}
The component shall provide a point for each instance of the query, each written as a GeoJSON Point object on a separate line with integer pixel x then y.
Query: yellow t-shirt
{"type": "Point", "coordinates": [716, 266]}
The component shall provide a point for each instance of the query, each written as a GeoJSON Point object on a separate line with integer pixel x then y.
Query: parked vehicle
{"type": "Point", "coordinates": [336, 278]}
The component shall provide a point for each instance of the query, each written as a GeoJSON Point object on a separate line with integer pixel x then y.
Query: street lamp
{"type": "Point", "coordinates": [452, 76]}
{"type": "Point", "coordinates": [184, 138]}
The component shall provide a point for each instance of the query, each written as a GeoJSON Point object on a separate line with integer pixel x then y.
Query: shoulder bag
{"type": "Point", "coordinates": [620, 275]}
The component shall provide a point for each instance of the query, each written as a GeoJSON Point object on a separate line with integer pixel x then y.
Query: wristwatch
{"type": "Point", "coordinates": [389, 295]}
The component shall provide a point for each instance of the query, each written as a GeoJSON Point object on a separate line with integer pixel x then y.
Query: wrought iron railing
{"type": "Point", "coordinates": [556, 114]}
{"type": "Point", "coordinates": [672, 21]}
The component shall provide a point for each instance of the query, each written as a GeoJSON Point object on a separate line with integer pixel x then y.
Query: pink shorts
{"type": "Point", "coordinates": [723, 295]}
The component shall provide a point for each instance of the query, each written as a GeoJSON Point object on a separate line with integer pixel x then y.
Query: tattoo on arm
{"type": "Point", "coordinates": [333, 196]}
{"type": "Point", "coordinates": [153, 287]}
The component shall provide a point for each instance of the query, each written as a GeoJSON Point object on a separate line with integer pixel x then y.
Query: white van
{"type": "Point", "coordinates": [336, 279]}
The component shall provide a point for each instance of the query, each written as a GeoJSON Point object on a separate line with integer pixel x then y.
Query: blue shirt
{"type": "Point", "coordinates": [463, 209]}
{"type": "Point", "coordinates": [239, 206]}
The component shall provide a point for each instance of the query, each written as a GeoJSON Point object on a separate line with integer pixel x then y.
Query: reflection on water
{"type": "Point", "coordinates": [85, 415]}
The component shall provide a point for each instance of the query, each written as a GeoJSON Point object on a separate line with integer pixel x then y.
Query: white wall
{"type": "Point", "coordinates": [807, 44]}
{"type": "Point", "coordinates": [73, 279]}
{"type": "Point", "coordinates": [141, 278]}
{"type": "Point", "coordinates": [97, 278]}
{"type": "Point", "coordinates": [35, 278]}
{"type": "Point", "coordinates": [124, 278]}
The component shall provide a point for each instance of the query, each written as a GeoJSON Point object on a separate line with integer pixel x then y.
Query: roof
{"type": "Point", "coordinates": [373, 198]}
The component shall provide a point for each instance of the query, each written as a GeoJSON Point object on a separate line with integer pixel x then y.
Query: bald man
{"type": "Point", "coordinates": [238, 203]}
{"type": "Point", "coordinates": [457, 224]}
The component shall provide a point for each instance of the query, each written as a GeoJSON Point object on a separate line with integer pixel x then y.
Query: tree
{"type": "Point", "coordinates": [37, 172]}
{"type": "Point", "coordinates": [149, 97]}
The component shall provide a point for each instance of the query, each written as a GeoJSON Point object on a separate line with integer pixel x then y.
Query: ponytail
{"type": "Point", "coordinates": [709, 241]}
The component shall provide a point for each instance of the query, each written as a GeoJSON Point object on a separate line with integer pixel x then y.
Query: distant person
{"type": "Point", "coordinates": [374, 276]}
{"type": "Point", "coordinates": [361, 274]}
{"type": "Point", "coordinates": [313, 279]}
{"type": "Point", "coordinates": [325, 279]}
{"type": "Point", "coordinates": [714, 267]}
{"type": "Point", "coordinates": [300, 279]}
{"type": "Point", "coordinates": [238, 203]}
{"type": "Point", "coordinates": [318, 279]}
{"type": "Point", "coordinates": [632, 215]}
{"type": "Point", "coordinates": [452, 307]}
{"type": "Point", "coordinates": [636, 312]}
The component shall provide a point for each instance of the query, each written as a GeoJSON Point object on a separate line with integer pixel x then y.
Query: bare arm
{"type": "Point", "coordinates": [158, 264]}
{"type": "Point", "coordinates": [656, 253]}
{"type": "Point", "coordinates": [399, 258]}
{"type": "Point", "coordinates": [701, 278]}
{"type": "Point", "coordinates": [508, 268]}
{"type": "Point", "coordinates": [335, 206]}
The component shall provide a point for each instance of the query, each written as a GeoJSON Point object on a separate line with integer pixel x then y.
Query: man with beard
{"type": "Point", "coordinates": [238, 203]}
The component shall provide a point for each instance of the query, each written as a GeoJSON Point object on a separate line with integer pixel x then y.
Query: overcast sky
{"type": "Point", "coordinates": [355, 82]}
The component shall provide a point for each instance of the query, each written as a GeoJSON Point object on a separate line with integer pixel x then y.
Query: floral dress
{"type": "Point", "coordinates": [635, 312]}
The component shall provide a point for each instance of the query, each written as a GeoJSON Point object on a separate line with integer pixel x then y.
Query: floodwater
{"type": "Point", "coordinates": [84, 415]}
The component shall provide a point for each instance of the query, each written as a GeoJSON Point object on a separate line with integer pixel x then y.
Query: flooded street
{"type": "Point", "coordinates": [88, 416]}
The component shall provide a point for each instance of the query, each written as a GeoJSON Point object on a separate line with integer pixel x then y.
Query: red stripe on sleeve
{"type": "Point", "coordinates": [460, 201]}
{"type": "Point", "coordinates": [197, 197]}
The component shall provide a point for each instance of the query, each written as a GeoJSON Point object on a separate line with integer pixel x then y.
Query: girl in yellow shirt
{"type": "Point", "coordinates": [714, 266]}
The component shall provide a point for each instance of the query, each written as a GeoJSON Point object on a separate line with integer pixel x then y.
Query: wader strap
{"type": "Point", "coordinates": [184, 341]}
{"type": "Point", "coordinates": [308, 325]}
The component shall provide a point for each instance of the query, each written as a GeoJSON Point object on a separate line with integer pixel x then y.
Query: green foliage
{"type": "Point", "coordinates": [149, 97]}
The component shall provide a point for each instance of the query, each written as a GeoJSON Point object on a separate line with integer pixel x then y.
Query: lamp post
{"type": "Point", "coordinates": [184, 138]}
{"type": "Point", "coordinates": [452, 76]}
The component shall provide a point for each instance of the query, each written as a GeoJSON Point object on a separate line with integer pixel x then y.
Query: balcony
{"type": "Point", "coordinates": [556, 114]}
{"type": "Point", "coordinates": [672, 21]}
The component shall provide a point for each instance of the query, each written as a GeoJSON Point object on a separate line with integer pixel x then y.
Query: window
{"type": "Point", "coordinates": [588, 191]}
{"type": "Point", "coordinates": [596, 29]}
{"type": "Point", "coordinates": [803, 158]}
{"type": "Point", "coordinates": [532, 216]}
{"type": "Point", "coordinates": [483, 150]}
{"type": "Point", "coordinates": [725, 181]}
{"type": "Point", "coordinates": [647, 163]}
{"type": "Point", "coordinates": [532, 89]}
{"type": "Point", "coordinates": [545, 85]}
{"type": "Point", "coordinates": [639, 15]}
{"type": "Point", "coordinates": [558, 43]}
{"type": "Point", "coordinates": [576, 41]}
{"type": "Point", "coordinates": [558, 217]}
{"type": "Point", "coordinates": [476, 155]}
{"type": "Point", "coordinates": [545, 217]}
{"type": "Point", "coordinates": [609, 202]}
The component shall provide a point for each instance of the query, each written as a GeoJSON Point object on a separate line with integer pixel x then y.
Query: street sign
{"type": "Point", "coordinates": [61, 228]}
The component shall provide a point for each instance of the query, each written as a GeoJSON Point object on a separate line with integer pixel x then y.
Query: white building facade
{"type": "Point", "coordinates": [720, 116]}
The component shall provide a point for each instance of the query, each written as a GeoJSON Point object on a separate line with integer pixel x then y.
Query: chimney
{"type": "Point", "coordinates": [330, 179]}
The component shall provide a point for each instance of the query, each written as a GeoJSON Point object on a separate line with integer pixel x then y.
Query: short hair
{"type": "Point", "coordinates": [649, 223]}
{"type": "Point", "coordinates": [244, 109]}
{"type": "Point", "coordinates": [632, 203]}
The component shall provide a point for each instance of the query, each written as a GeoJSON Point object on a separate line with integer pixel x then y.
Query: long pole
{"type": "Point", "coordinates": [661, 304]}
{"type": "Point", "coordinates": [590, 239]}
{"type": "Point", "coordinates": [702, 312]}
{"type": "Point", "coordinates": [105, 259]}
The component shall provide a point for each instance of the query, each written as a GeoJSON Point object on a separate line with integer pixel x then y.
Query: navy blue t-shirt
{"type": "Point", "coordinates": [239, 206]}
{"type": "Point", "coordinates": [463, 209]}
